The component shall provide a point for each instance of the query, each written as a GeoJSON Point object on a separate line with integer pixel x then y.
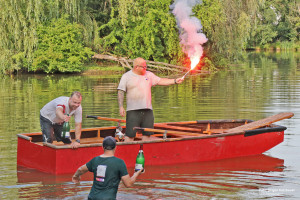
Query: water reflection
{"type": "Point", "coordinates": [221, 179]}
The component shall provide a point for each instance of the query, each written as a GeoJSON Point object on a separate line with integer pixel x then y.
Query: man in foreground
{"type": "Point", "coordinates": [108, 172]}
{"type": "Point", "coordinates": [137, 84]}
{"type": "Point", "coordinates": [58, 111]}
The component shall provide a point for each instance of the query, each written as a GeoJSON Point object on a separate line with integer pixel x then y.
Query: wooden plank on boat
{"type": "Point", "coordinates": [25, 137]}
{"type": "Point", "coordinates": [91, 140]}
{"type": "Point", "coordinates": [261, 123]}
{"type": "Point", "coordinates": [106, 118]}
{"type": "Point", "coordinates": [165, 126]}
{"type": "Point", "coordinates": [166, 131]}
{"type": "Point", "coordinates": [214, 131]}
{"type": "Point", "coordinates": [182, 123]}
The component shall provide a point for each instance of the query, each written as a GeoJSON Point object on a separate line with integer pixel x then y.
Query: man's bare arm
{"type": "Point", "coordinates": [167, 81]}
{"type": "Point", "coordinates": [81, 170]}
{"type": "Point", "coordinates": [121, 98]}
{"type": "Point", "coordinates": [120, 101]}
{"type": "Point", "coordinates": [129, 181]}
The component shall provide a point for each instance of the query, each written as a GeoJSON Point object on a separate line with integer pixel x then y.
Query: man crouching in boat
{"type": "Point", "coordinates": [137, 84]}
{"type": "Point", "coordinates": [108, 171]}
{"type": "Point", "coordinates": [56, 112]}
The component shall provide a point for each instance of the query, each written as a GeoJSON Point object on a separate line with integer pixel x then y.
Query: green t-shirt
{"type": "Point", "coordinates": [107, 176]}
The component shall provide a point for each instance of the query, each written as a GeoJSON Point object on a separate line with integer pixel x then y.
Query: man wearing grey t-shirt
{"type": "Point", "coordinates": [56, 112]}
{"type": "Point", "coordinates": [137, 84]}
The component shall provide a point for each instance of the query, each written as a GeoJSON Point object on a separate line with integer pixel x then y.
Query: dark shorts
{"type": "Point", "coordinates": [50, 130]}
{"type": "Point", "coordinates": [139, 118]}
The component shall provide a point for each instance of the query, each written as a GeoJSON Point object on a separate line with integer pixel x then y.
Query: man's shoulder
{"type": "Point", "coordinates": [151, 74]}
{"type": "Point", "coordinates": [128, 73]}
{"type": "Point", "coordinates": [62, 98]}
{"type": "Point", "coordinates": [113, 159]}
{"type": "Point", "coordinates": [127, 76]}
{"type": "Point", "coordinates": [93, 160]}
{"type": "Point", "coordinates": [117, 160]}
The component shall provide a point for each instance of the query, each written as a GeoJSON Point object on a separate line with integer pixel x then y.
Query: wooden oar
{"type": "Point", "coordinates": [177, 128]}
{"type": "Point", "coordinates": [106, 118]}
{"type": "Point", "coordinates": [165, 131]}
{"type": "Point", "coordinates": [261, 123]}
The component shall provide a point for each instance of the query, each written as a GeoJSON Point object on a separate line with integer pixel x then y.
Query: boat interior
{"type": "Point", "coordinates": [168, 130]}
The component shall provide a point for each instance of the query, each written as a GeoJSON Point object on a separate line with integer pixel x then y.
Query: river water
{"type": "Point", "coordinates": [266, 84]}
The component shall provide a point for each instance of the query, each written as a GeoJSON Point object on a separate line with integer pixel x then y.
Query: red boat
{"type": "Point", "coordinates": [172, 143]}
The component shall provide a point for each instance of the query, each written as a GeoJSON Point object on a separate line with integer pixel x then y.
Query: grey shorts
{"type": "Point", "coordinates": [51, 130]}
{"type": "Point", "coordinates": [139, 118]}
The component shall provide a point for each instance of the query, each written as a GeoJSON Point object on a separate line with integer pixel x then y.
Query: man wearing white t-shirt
{"type": "Point", "coordinates": [56, 112]}
{"type": "Point", "coordinates": [137, 84]}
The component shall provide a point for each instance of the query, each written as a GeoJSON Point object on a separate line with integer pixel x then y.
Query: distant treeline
{"type": "Point", "coordinates": [62, 35]}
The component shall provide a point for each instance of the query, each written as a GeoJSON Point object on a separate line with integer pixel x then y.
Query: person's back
{"type": "Point", "coordinates": [108, 172]}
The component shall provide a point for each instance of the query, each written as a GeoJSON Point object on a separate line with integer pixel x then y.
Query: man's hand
{"type": "Point", "coordinates": [66, 118]}
{"type": "Point", "coordinates": [179, 80]}
{"type": "Point", "coordinates": [122, 111]}
{"type": "Point", "coordinates": [142, 170]}
{"type": "Point", "coordinates": [75, 145]}
{"type": "Point", "coordinates": [75, 179]}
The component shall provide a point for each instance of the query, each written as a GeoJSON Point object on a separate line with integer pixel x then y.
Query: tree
{"type": "Point", "coordinates": [60, 47]}
{"type": "Point", "coordinates": [142, 29]}
{"type": "Point", "coordinates": [277, 21]}
{"type": "Point", "coordinates": [18, 28]}
{"type": "Point", "coordinates": [227, 24]}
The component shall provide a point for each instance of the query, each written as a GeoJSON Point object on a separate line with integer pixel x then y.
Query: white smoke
{"type": "Point", "coordinates": [191, 36]}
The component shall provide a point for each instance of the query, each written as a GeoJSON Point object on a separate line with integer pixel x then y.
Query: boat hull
{"type": "Point", "coordinates": [54, 160]}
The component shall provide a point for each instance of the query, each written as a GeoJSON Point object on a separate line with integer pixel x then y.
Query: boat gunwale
{"type": "Point", "coordinates": [274, 128]}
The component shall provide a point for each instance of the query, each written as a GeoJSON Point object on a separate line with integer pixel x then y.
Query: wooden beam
{"type": "Point", "coordinates": [180, 128]}
{"type": "Point", "coordinates": [166, 131]}
{"type": "Point", "coordinates": [261, 123]}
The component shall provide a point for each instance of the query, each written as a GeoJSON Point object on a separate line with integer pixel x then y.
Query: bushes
{"type": "Point", "coordinates": [60, 47]}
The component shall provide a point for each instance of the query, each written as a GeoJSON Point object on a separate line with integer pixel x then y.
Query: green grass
{"type": "Point", "coordinates": [102, 68]}
{"type": "Point", "coordinates": [107, 67]}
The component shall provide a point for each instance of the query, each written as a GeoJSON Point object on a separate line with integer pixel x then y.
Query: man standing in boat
{"type": "Point", "coordinates": [58, 111]}
{"type": "Point", "coordinates": [137, 84]}
{"type": "Point", "coordinates": [108, 172]}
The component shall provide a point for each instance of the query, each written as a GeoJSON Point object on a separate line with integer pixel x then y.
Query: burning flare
{"type": "Point", "coordinates": [194, 61]}
{"type": "Point", "coordinates": [190, 30]}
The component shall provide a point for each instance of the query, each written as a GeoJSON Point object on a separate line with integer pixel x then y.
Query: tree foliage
{"type": "Point", "coordinates": [60, 47]}
{"type": "Point", "coordinates": [142, 29]}
{"type": "Point", "coordinates": [19, 21]}
{"type": "Point", "coordinates": [277, 21]}
{"type": "Point", "coordinates": [227, 24]}
{"type": "Point", "coordinates": [135, 28]}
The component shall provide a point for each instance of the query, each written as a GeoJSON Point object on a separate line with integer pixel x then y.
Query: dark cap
{"type": "Point", "coordinates": [109, 143]}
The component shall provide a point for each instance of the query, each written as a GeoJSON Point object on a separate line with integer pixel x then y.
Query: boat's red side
{"type": "Point", "coordinates": [62, 161]}
{"type": "Point", "coordinates": [260, 162]}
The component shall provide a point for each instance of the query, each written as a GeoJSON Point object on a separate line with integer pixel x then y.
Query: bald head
{"type": "Point", "coordinates": [139, 62]}
{"type": "Point", "coordinates": [139, 66]}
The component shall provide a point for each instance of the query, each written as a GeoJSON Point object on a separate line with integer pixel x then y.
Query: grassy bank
{"type": "Point", "coordinates": [278, 46]}
{"type": "Point", "coordinates": [105, 68]}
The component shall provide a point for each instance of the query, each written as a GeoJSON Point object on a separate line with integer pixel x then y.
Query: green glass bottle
{"type": "Point", "coordinates": [66, 130]}
{"type": "Point", "coordinates": [140, 160]}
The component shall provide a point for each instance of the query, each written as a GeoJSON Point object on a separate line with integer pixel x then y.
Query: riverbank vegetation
{"type": "Point", "coordinates": [62, 35]}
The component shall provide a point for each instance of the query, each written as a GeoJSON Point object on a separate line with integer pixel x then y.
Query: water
{"type": "Point", "coordinates": [265, 85]}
